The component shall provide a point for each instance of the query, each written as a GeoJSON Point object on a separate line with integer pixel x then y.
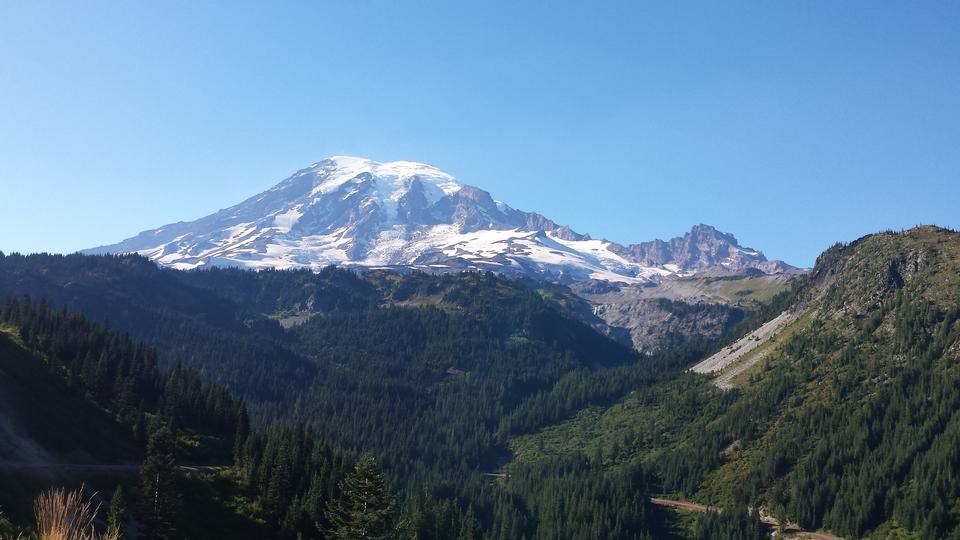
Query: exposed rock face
{"type": "Point", "coordinates": [678, 310]}
{"type": "Point", "coordinates": [702, 248]}
{"type": "Point", "coordinates": [653, 323]}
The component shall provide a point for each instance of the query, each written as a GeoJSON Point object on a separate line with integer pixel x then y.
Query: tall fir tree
{"type": "Point", "coordinates": [241, 432]}
{"type": "Point", "coordinates": [470, 530]}
{"type": "Point", "coordinates": [158, 483]}
{"type": "Point", "coordinates": [366, 508]}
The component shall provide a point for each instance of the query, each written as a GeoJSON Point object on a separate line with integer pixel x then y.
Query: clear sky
{"type": "Point", "coordinates": [792, 125]}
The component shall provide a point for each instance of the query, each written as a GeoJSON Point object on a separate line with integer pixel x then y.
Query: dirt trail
{"type": "Point", "coordinates": [683, 505]}
{"type": "Point", "coordinates": [792, 530]}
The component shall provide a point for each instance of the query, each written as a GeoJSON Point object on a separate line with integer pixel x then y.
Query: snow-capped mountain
{"type": "Point", "coordinates": [357, 212]}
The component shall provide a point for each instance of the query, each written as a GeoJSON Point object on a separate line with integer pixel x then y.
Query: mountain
{"type": "Point", "coordinates": [840, 412]}
{"type": "Point", "coordinates": [430, 372]}
{"type": "Point", "coordinates": [702, 248]}
{"type": "Point", "coordinates": [831, 402]}
{"type": "Point", "coordinates": [356, 212]}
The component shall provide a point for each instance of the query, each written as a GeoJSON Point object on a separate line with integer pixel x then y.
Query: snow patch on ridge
{"type": "Point", "coordinates": [285, 221]}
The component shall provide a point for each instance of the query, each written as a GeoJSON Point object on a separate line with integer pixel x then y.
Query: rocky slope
{"type": "Point", "coordinates": [679, 309]}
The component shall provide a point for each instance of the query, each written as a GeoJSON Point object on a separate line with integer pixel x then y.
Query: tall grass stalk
{"type": "Point", "coordinates": [68, 515]}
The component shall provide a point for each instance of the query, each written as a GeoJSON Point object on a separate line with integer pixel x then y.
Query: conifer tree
{"type": "Point", "coordinates": [470, 530]}
{"type": "Point", "coordinates": [366, 509]}
{"type": "Point", "coordinates": [158, 483]}
{"type": "Point", "coordinates": [241, 431]}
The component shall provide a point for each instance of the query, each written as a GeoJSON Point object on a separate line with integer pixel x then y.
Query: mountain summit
{"type": "Point", "coordinates": [352, 211]}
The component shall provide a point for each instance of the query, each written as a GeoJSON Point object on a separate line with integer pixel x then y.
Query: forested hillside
{"type": "Point", "coordinates": [850, 425]}
{"type": "Point", "coordinates": [114, 373]}
{"type": "Point", "coordinates": [185, 324]}
{"type": "Point", "coordinates": [485, 408]}
{"type": "Point", "coordinates": [432, 374]}
{"type": "Point", "coordinates": [83, 406]}
{"type": "Point", "coordinates": [82, 403]}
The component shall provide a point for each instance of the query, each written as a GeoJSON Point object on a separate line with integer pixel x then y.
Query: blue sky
{"type": "Point", "coordinates": [792, 125]}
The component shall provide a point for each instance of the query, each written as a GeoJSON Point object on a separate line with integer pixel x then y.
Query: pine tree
{"type": "Point", "coordinates": [241, 431]}
{"type": "Point", "coordinates": [470, 530]}
{"type": "Point", "coordinates": [365, 510]}
{"type": "Point", "coordinates": [159, 485]}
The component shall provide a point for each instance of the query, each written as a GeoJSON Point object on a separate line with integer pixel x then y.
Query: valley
{"type": "Point", "coordinates": [557, 270]}
{"type": "Point", "coordinates": [505, 406]}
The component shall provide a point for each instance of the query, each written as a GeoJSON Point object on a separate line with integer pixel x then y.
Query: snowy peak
{"type": "Point", "coordinates": [398, 189]}
{"type": "Point", "coordinates": [358, 212]}
{"type": "Point", "coordinates": [391, 180]}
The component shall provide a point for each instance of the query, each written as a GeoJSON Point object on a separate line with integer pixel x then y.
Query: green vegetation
{"type": "Point", "coordinates": [44, 409]}
{"type": "Point", "coordinates": [851, 423]}
{"type": "Point", "coordinates": [113, 373]}
{"type": "Point", "coordinates": [371, 373]}
{"type": "Point", "coordinates": [117, 512]}
{"type": "Point", "coordinates": [366, 509]}
{"type": "Point", "coordinates": [78, 402]}
{"type": "Point", "coordinates": [492, 410]}
{"type": "Point", "coordinates": [158, 485]}
{"type": "Point", "coordinates": [219, 504]}
{"type": "Point", "coordinates": [750, 290]}
{"type": "Point", "coordinates": [744, 525]}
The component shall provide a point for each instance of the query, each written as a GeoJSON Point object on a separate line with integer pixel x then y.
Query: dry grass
{"type": "Point", "coordinates": [68, 515]}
